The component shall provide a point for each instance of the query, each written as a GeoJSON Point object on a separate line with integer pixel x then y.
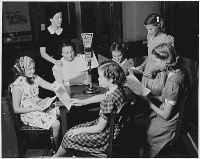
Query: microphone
{"type": "Point", "coordinates": [87, 44]}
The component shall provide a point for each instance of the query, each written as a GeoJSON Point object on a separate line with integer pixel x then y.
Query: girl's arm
{"type": "Point", "coordinates": [139, 68]}
{"type": "Point", "coordinates": [44, 84]}
{"type": "Point", "coordinates": [165, 113]}
{"type": "Point", "coordinates": [92, 129]}
{"type": "Point", "coordinates": [16, 101]}
{"type": "Point", "coordinates": [46, 56]}
{"type": "Point", "coordinates": [49, 58]}
{"type": "Point", "coordinates": [94, 99]}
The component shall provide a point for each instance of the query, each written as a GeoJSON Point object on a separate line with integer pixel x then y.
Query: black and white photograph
{"type": "Point", "coordinates": [99, 79]}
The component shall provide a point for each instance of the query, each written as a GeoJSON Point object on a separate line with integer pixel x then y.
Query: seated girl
{"type": "Point", "coordinates": [163, 119]}
{"type": "Point", "coordinates": [82, 137]}
{"type": "Point", "coordinates": [25, 97]}
{"type": "Point", "coordinates": [74, 69]}
{"type": "Point", "coordinates": [118, 51]}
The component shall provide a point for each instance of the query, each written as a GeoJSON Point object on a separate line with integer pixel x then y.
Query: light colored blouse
{"type": "Point", "coordinates": [72, 69]}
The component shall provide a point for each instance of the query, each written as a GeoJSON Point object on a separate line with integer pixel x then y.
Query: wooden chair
{"type": "Point", "coordinates": [23, 130]}
{"type": "Point", "coordinates": [118, 117]}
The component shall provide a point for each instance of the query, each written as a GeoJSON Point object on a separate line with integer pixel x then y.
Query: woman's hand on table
{"type": "Point", "coordinates": [73, 132]}
{"type": "Point", "coordinates": [77, 102]}
{"type": "Point", "coordinates": [59, 63]}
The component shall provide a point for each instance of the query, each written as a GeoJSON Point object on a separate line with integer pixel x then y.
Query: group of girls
{"type": "Point", "coordinates": [167, 87]}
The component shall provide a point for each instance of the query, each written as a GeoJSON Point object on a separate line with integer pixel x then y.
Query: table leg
{"type": "Point", "coordinates": [63, 115]}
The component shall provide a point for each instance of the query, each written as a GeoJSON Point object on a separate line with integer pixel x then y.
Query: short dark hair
{"type": "Point", "coordinates": [66, 44]}
{"type": "Point", "coordinates": [118, 46]}
{"type": "Point", "coordinates": [112, 70]}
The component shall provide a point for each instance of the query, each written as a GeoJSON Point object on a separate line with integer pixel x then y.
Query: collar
{"type": "Point", "coordinates": [110, 91]}
{"type": "Point", "coordinates": [58, 32]}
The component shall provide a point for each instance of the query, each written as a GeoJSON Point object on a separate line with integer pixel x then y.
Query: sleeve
{"type": "Point", "coordinates": [37, 79]}
{"type": "Point", "coordinates": [169, 39]}
{"type": "Point", "coordinates": [42, 39]}
{"type": "Point", "coordinates": [171, 92]}
{"type": "Point", "coordinates": [57, 73]}
{"type": "Point", "coordinates": [17, 82]}
{"type": "Point", "coordinates": [106, 108]}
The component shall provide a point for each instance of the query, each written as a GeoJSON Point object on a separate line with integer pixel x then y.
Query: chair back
{"type": "Point", "coordinates": [183, 103]}
{"type": "Point", "coordinates": [16, 117]}
{"type": "Point", "coordinates": [119, 117]}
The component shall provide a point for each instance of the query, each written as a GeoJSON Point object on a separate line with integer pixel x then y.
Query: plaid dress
{"type": "Point", "coordinates": [96, 142]}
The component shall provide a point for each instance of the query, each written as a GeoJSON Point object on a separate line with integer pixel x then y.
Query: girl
{"type": "Point", "coordinates": [73, 66]}
{"type": "Point", "coordinates": [25, 97]}
{"type": "Point", "coordinates": [156, 36]}
{"type": "Point", "coordinates": [118, 51]}
{"type": "Point", "coordinates": [163, 119]}
{"type": "Point", "coordinates": [82, 137]}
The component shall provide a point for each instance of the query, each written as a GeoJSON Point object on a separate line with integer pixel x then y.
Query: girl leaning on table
{"type": "Point", "coordinates": [82, 137]}
{"type": "Point", "coordinates": [164, 100]}
{"type": "Point", "coordinates": [25, 91]}
{"type": "Point", "coordinates": [156, 35]}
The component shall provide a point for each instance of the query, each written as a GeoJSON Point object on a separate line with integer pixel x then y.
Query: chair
{"type": "Point", "coordinates": [119, 117]}
{"type": "Point", "coordinates": [23, 130]}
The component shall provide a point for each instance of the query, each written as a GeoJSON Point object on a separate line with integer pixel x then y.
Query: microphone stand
{"type": "Point", "coordinates": [91, 89]}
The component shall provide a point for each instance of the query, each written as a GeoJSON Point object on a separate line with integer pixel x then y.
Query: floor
{"type": "Point", "coordinates": [127, 148]}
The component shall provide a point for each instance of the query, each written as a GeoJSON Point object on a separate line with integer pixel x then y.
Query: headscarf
{"type": "Point", "coordinates": [21, 65]}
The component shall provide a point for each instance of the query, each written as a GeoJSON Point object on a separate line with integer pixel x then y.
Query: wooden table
{"type": "Point", "coordinates": [77, 92]}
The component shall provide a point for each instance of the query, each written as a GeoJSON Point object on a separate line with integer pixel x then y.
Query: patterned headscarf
{"type": "Point", "coordinates": [22, 64]}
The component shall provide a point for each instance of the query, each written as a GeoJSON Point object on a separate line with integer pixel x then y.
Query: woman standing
{"type": "Point", "coordinates": [50, 40]}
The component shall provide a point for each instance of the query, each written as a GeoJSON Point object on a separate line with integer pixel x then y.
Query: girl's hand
{"type": "Point", "coordinates": [39, 108]}
{"type": "Point", "coordinates": [77, 102]}
{"type": "Point", "coordinates": [73, 132]}
{"type": "Point", "coordinates": [59, 63]}
{"type": "Point", "coordinates": [146, 99]}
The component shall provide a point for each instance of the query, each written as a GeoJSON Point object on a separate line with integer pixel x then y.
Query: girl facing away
{"type": "Point", "coordinates": [25, 91]}
{"type": "Point", "coordinates": [82, 137]}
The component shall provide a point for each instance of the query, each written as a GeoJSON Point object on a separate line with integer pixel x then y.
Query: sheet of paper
{"type": "Point", "coordinates": [63, 96]}
{"type": "Point", "coordinates": [78, 79]}
{"type": "Point", "coordinates": [49, 102]}
{"type": "Point", "coordinates": [135, 85]}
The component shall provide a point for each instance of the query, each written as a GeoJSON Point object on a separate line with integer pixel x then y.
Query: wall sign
{"type": "Point", "coordinates": [16, 17]}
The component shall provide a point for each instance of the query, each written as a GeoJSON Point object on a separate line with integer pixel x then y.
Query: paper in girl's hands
{"type": "Point", "coordinates": [135, 85]}
{"type": "Point", "coordinates": [49, 102]}
{"type": "Point", "coordinates": [62, 94]}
